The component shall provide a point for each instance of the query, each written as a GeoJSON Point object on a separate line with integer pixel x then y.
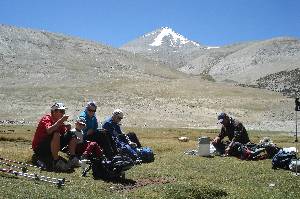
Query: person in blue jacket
{"type": "Point", "coordinates": [89, 115]}
{"type": "Point", "coordinates": [123, 143]}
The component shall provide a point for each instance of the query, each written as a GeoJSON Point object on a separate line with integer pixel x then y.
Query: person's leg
{"type": "Point", "coordinates": [220, 147]}
{"type": "Point", "coordinates": [43, 153]}
{"type": "Point", "coordinates": [127, 150]}
{"type": "Point", "coordinates": [72, 146]}
{"type": "Point", "coordinates": [133, 138]}
{"type": "Point", "coordinates": [55, 145]}
{"type": "Point", "coordinates": [69, 139]}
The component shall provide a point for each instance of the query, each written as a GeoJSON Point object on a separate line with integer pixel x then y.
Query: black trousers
{"type": "Point", "coordinates": [220, 147]}
{"type": "Point", "coordinates": [133, 138]}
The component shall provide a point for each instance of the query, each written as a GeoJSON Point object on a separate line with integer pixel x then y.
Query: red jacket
{"type": "Point", "coordinates": [41, 131]}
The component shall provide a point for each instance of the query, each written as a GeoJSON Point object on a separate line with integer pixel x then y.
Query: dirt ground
{"type": "Point", "coordinates": [154, 102]}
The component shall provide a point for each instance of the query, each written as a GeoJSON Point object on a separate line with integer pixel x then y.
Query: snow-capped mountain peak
{"type": "Point", "coordinates": [175, 38]}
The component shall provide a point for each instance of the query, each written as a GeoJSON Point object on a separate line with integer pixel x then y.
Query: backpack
{"type": "Point", "coordinates": [111, 169]}
{"type": "Point", "coordinates": [282, 159]}
{"type": "Point", "coordinates": [145, 154]}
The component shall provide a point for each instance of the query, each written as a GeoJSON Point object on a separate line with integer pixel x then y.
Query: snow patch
{"type": "Point", "coordinates": [212, 47]}
{"type": "Point", "coordinates": [175, 38]}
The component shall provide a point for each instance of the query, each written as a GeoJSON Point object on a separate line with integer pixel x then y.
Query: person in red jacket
{"type": "Point", "coordinates": [51, 136]}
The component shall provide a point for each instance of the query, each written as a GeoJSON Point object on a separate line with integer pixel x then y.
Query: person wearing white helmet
{"type": "Point", "coordinates": [123, 142]}
{"type": "Point", "coordinates": [51, 136]}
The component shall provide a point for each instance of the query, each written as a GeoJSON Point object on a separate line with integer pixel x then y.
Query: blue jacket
{"type": "Point", "coordinates": [121, 141]}
{"type": "Point", "coordinates": [91, 123]}
{"type": "Point", "coordinates": [112, 128]}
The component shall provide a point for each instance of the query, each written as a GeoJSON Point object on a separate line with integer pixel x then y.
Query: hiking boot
{"type": "Point", "coordinates": [74, 162]}
{"type": "Point", "coordinates": [60, 165]}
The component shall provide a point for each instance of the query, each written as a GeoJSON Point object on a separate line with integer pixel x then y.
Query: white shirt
{"type": "Point", "coordinates": [79, 135]}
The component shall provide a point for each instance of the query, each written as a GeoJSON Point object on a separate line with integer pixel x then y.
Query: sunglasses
{"type": "Point", "coordinates": [91, 110]}
{"type": "Point", "coordinates": [118, 117]}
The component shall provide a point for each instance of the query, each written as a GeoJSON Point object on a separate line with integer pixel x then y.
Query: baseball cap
{"type": "Point", "coordinates": [58, 106]}
{"type": "Point", "coordinates": [118, 112]}
{"type": "Point", "coordinates": [221, 117]}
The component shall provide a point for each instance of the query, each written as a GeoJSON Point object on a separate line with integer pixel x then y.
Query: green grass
{"type": "Point", "coordinates": [172, 175]}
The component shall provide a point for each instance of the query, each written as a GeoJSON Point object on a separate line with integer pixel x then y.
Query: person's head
{"type": "Point", "coordinates": [91, 108]}
{"type": "Point", "coordinates": [117, 115]}
{"type": "Point", "coordinates": [58, 110]}
{"type": "Point", "coordinates": [80, 123]}
{"type": "Point", "coordinates": [223, 118]}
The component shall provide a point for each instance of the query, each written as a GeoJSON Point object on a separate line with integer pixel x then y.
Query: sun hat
{"type": "Point", "coordinates": [58, 106]}
{"type": "Point", "coordinates": [118, 112]}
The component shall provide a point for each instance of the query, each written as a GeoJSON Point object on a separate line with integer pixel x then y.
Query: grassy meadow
{"type": "Point", "coordinates": [172, 175]}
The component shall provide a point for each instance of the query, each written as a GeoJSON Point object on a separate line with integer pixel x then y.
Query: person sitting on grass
{"type": "Point", "coordinates": [51, 136]}
{"type": "Point", "coordinates": [234, 130]}
{"type": "Point", "coordinates": [124, 143]}
{"type": "Point", "coordinates": [85, 149]}
{"type": "Point", "coordinates": [89, 115]}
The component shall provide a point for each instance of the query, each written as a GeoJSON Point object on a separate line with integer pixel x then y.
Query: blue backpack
{"type": "Point", "coordinates": [145, 154]}
{"type": "Point", "coordinates": [282, 159]}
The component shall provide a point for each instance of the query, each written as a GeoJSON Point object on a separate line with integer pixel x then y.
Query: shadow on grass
{"type": "Point", "coordinates": [129, 185]}
{"type": "Point", "coordinates": [179, 191]}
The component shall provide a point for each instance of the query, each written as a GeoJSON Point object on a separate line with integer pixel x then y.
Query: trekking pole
{"type": "Point", "coordinates": [297, 108]}
{"type": "Point", "coordinates": [23, 169]}
{"type": "Point", "coordinates": [33, 176]}
{"type": "Point", "coordinates": [22, 163]}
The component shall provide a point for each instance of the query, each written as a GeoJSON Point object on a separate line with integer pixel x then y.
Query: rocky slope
{"type": "Point", "coordinates": [243, 63]}
{"type": "Point", "coordinates": [38, 68]}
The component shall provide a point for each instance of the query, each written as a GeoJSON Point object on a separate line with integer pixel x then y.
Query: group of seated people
{"type": "Point", "coordinates": [85, 140]}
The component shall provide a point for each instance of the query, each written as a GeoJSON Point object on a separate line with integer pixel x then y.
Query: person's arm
{"type": "Point", "coordinates": [238, 130]}
{"type": "Point", "coordinates": [221, 136]}
{"type": "Point", "coordinates": [56, 125]}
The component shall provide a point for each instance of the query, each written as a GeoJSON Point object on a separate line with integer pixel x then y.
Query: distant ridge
{"type": "Point", "coordinates": [245, 63]}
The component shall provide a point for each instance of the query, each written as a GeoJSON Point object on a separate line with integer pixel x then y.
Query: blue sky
{"type": "Point", "coordinates": [115, 22]}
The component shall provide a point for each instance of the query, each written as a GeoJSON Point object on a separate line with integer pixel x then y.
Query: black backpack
{"type": "Point", "coordinates": [111, 169]}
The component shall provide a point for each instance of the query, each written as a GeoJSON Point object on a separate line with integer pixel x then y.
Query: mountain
{"type": "Point", "coordinates": [165, 45]}
{"type": "Point", "coordinates": [245, 63]}
{"type": "Point", "coordinates": [38, 68]}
